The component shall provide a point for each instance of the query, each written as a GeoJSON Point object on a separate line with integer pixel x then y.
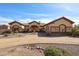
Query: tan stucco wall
{"type": "Point", "coordinates": [26, 28]}
{"type": "Point", "coordinates": [68, 30]}
{"type": "Point", "coordinates": [21, 27]}
{"type": "Point", "coordinates": [57, 23]}
{"type": "Point", "coordinates": [34, 23]}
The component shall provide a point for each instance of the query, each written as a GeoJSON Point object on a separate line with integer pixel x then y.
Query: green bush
{"type": "Point", "coordinates": [75, 32]}
{"type": "Point", "coordinates": [55, 51]}
{"type": "Point", "coordinates": [68, 33]}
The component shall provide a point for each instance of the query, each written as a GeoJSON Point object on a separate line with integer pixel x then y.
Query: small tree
{"type": "Point", "coordinates": [77, 26]}
{"type": "Point", "coordinates": [75, 30]}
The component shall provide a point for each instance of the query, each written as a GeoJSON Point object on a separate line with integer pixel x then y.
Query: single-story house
{"type": "Point", "coordinates": [61, 24]}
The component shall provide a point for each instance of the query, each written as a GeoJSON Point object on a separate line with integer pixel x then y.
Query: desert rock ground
{"type": "Point", "coordinates": [11, 45]}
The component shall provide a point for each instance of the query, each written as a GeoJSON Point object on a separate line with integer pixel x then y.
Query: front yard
{"type": "Point", "coordinates": [34, 38]}
{"type": "Point", "coordinates": [13, 43]}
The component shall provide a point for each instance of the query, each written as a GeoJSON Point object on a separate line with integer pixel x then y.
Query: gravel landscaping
{"type": "Point", "coordinates": [70, 43]}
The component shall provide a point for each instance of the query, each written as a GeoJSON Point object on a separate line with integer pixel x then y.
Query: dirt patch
{"type": "Point", "coordinates": [20, 51]}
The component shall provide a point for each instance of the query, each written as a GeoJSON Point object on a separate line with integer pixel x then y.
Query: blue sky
{"type": "Point", "coordinates": [44, 12]}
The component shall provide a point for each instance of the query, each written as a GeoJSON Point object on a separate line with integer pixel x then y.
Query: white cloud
{"type": "Point", "coordinates": [34, 14]}
{"type": "Point", "coordinates": [75, 19]}
{"type": "Point", "coordinates": [4, 20]}
{"type": "Point", "coordinates": [43, 20]}
{"type": "Point", "coordinates": [40, 14]}
{"type": "Point", "coordinates": [66, 7]}
{"type": "Point", "coordinates": [47, 20]}
{"type": "Point", "coordinates": [70, 7]}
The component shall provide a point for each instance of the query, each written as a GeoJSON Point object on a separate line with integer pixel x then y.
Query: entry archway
{"type": "Point", "coordinates": [34, 28]}
{"type": "Point", "coordinates": [62, 28]}
{"type": "Point", "coordinates": [16, 28]}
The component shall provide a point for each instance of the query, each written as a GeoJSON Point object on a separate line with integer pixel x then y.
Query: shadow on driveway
{"type": "Point", "coordinates": [44, 34]}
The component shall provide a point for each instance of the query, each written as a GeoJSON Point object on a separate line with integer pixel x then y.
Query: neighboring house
{"type": "Point", "coordinates": [35, 26]}
{"type": "Point", "coordinates": [3, 28]}
{"type": "Point", "coordinates": [29, 27]}
{"type": "Point", "coordinates": [62, 24]}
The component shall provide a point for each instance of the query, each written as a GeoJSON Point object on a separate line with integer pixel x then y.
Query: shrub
{"type": "Point", "coordinates": [68, 33]}
{"type": "Point", "coordinates": [75, 32]}
{"type": "Point", "coordinates": [5, 35]}
{"type": "Point", "coordinates": [55, 51]}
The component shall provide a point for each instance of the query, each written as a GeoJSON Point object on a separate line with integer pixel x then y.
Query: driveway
{"type": "Point", "coordinates": [64, 40]}
{"type": "Point", "coordinates": [34, 38]}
